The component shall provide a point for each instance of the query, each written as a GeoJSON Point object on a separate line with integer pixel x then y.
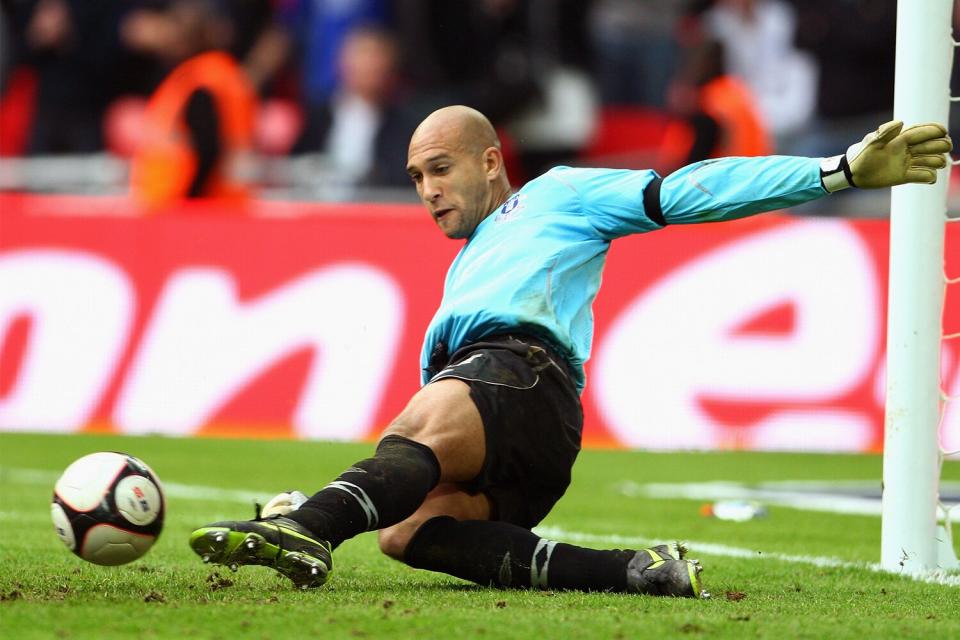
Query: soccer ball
{"type": "Point", "coordinates": [108, 508]}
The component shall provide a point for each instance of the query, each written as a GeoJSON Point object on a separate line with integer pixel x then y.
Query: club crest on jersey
{"type": "Point", "coordinates": [510, 209]}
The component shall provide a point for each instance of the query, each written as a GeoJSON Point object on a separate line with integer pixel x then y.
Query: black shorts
{"type": "Point", "coordinates": [532, 419]}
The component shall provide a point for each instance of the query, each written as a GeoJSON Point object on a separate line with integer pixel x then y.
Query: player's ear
{"type": "Point", "coordinates": [492, 162]}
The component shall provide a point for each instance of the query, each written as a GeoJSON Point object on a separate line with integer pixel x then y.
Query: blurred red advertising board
{"type": "Point", "coordinates": [305, 320]}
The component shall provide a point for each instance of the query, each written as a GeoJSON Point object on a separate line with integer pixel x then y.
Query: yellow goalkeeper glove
{"type": "Point", "coordinates": [889, 156]}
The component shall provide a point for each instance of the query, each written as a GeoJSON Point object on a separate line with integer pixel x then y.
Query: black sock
{"type": "Point", "coordinates": [374, 493]}
{"type": "Point", "coordinates": [501, 554]}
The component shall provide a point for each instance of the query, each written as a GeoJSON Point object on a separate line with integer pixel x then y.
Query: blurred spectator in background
{"type": "Point", "coordinates": [198, 124]}
{"type": "Point", "coordinates": [72, 47]}
{"type": "Point", "coordinates": [316, 31]}
{"type": "Point", "coordinates": [561, 118]}
{"type": "Point", "coordinates": [17, 84]}
{"type": "Point", "coordinates": [472, 52]}
{"type": "Point", "coordinates": [6, 49]}
{"type": "Point", "coordinates": [758, 42]}
{"type": "Point", "coordinates": [258, 41]}
{"type": "Point", "coordinates": [635, 49]}
{"type": "Point", "coordinates": [716, 114]}
{"type": "Point", "coordinates": [264, 48]}
{"type": "Point", "coordinates": [360, 129]}
{"type": "Point", "coordinates": [854, 42]}
{"type": "Point", "coordinates": [523, 63]}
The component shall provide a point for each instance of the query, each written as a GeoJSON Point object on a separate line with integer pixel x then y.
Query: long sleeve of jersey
{"type": "Point", "coordinates": [731, 188]}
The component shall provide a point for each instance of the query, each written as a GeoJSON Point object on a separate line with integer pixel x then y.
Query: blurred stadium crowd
{"type": "Point", "coordinates": [317, 98]}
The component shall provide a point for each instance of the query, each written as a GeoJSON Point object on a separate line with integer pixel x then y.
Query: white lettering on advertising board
{"type": "Point", "coordinates": [80, 309]}
{"type": "Point", "coordinates": [676, 343]}
{"type": "Point", "coordinates": [202, 345]}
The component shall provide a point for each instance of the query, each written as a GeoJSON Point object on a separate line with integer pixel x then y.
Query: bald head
{"type": "Point", "coordinates": [455, 161]}
{"type": "Point", "coordinates": [465, 127]}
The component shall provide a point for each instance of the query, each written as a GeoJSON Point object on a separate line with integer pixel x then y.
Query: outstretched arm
{"type": "Point", "coordinates": [731, 188]}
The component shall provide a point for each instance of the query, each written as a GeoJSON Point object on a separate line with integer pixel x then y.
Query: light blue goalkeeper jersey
{"type": "Point", "coordinates": [533, 265]}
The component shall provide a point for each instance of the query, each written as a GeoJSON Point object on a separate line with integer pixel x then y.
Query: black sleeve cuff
{"type": "Point", "coordinates": [651, 202]}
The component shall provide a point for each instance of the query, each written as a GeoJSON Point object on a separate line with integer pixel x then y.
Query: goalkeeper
{"type": "Point", "coordinates": [484, 449]}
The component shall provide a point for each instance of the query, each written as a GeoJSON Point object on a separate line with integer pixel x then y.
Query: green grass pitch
{"type": "Point", "coordinates": [776, 590]}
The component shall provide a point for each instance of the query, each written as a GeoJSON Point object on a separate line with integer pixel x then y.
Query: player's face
{"type": "Point", "coordinates": [453, 183]}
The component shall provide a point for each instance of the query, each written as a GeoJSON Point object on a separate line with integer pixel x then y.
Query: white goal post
{"type": "Point", "coordinates": [911, 458]}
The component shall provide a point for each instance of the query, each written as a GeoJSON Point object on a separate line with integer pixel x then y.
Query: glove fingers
{"type": "Point", "coordinates": [283, 503]}
{"type": "Point", "coordinates": [931, 161]}
{"type": "Point", "coordinates": [278, 505]}
{"type": "Point", "coordinates": [924, 176]}
{"type": "Point", "coordinates": [919, 133]}
{"type": "Point", "coordinates": [938, 145]}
